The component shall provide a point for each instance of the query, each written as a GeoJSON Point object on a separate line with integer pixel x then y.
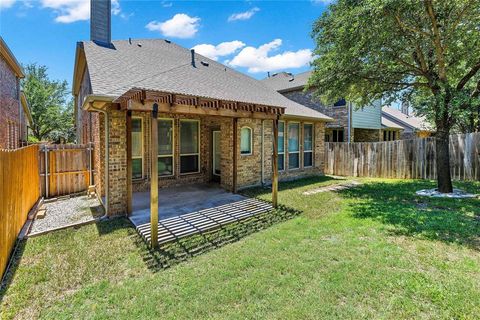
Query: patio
{"type": "Point", "coordinates": [193, 209]}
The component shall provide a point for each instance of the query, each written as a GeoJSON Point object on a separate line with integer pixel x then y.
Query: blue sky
{"type": "Point", "coordinates": [252, 36]}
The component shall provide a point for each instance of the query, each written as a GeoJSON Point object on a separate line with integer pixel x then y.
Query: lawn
{"type": "Point", "coordinates": [374, 251]}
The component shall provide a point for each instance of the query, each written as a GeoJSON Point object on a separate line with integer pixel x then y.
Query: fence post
{"type": "Point", "coordinates": [45, 149]}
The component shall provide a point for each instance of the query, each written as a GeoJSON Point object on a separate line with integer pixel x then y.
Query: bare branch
{"type": "Point", "coordinates": [468, 76]}
{"type": "Point", "coordinates": [410, 28]}
{"type": "Point", "coordinates": [437, 41]}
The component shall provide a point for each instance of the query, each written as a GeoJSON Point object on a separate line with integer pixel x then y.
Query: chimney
{"type": "Point", "coordinates": [405, 107]}
{"type": "Point", "coordinates": [100, 22]}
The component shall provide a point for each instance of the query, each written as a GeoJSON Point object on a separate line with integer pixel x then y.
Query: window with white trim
{"type": "Point", "coordinates": [246, 141]}
{"type": "Point", "coordinates": [189, 146]}
{"type": "Point", "coordinates": [137, 148]}
{"type": "Point", "coordinates": [165, 147]}
{"type": "Point", "coordinates": [293, 145]}
{"type": "Point", "coordinates": [307, 145]}
{"type": "Point", "coordinates": [281, 146]}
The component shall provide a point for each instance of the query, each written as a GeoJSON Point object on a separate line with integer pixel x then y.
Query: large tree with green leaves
{"type": "Point", "coordinates": [423, 51]}
{"type": "Point", "coordinates": [50, 108]}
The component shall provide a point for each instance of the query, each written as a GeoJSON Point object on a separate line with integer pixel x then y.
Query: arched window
{"type": "Point", "coordinates": [246, 141]}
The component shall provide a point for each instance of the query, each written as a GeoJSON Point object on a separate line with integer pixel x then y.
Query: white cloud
{"type": "Point", "coordinates": [220, 50]}
{"type": "Point", "coordinates": [166, 4]}
{"type": "Point", "coordinates": [243, 15]}
{"type": "Point", "coordinates": [180, 26]}
{"type": "Point", "coordinates": [4, 4]}
{"type": "Point", "coordinates": [258, 59]}
{"type": "Point", "coordinates": [69, 11]}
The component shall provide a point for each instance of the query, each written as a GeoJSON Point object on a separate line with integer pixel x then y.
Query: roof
{"type": "Point", "coordinates": [285, 81]}
{"type": "Point", "coordinates": [10, 59]}
{"type": "Point", "coordinates": [160, 65]}
{"type": "Point", "coordinates": [411, 121]}
{"type": "Point", "coordinates": [386, 123]}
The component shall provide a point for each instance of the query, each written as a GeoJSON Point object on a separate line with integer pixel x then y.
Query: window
{"type": "Point", "coordinates": [165, 147]}
{"type": "Point", "coordinates": [189, 146]}
{"type": "Point", "coordinates": [293, 145]}
{"type": "Point", "coordinates": [307, 145]}
{"type": "Point", "coordinates": [246, 141]}
{"type": "Point", "coordinates": [137, 148]}
{"type": "Point", "coordinates": [340, 103]}
{"type": "Point", "coordinates": [337, 135]}
{"type": "Point", "coordinates": [281, 146]}
{"type": "Point", "coordinates": [389, 135]}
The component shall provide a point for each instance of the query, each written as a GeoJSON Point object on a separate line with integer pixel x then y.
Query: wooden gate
{"type": "Point", "coordinates": [65, 169]}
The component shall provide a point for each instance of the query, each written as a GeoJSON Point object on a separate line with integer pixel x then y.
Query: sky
{"type": "Point", "coordinates": [253, 37]}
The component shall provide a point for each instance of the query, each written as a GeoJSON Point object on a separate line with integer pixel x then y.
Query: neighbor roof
{"type": "Point", "coordinates": [160, 65]}
{"type": "Point", "coordinates": [386, 123]}
{"type": "Point", "coordinates": [416, 123]}
{"type": "Point", "coordinates": [285, 81]}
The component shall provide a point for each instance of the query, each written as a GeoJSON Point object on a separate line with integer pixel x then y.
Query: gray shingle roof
{"type": "Point", "coordinates": [284, 81]}
{"type": "Point", "coordinates": [386, 123]}
{"type": "Point", "coordinates": [416, 123]}
{"type": "Point", "coordinates": [155, 64]}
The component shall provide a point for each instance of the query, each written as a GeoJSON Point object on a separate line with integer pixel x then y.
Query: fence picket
{"type": "Point", "coordinates": [414, 158]}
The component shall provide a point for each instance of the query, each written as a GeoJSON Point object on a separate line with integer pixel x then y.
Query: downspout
{"type": "Point", "coordinates": [107, 157]}
{"type": "Point", "coordinates": [349, 120]}
{"type": "Point", "coordinates": [263, 153]}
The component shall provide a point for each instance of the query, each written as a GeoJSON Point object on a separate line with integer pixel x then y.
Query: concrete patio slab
{"type": "Point", "coordinates": [188, 210]}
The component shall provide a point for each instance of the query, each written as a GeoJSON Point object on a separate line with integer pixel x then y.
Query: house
{"type": "Point", "coordinates": [160, 114]}
{"type": "Point", "coordinates": [349, 123]}
{"type": "Point", "coordinates": [411, 125]}
{"type": "Point", "coordinates": [15, 116]}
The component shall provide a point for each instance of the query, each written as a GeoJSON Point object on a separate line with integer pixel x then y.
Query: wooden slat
{"type": "Point", "coordinates": [403, 159]}
{"type": "Point", "coordinates": [204, 220]}
{"type": "Point", "coordinates": [19, 191]}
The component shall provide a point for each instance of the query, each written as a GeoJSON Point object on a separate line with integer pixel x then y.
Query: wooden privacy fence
{"type": "Point", "coordinates": [65, 169]}
{"type": "Point", "coordinates": [411, 159]}
{"type": "Point", "coordinates": [19, 191]}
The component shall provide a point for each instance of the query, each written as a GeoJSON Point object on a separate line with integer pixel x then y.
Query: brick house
{"type": "Point", "coordinates": [349, 123]}
{"type": "Point", "coordinates": [15, 117]}
{"type": "Point", "coordinates": [160, 114]}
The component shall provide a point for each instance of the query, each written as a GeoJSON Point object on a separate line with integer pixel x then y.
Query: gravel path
{"type": "Point", "coordinates": [65, 212]}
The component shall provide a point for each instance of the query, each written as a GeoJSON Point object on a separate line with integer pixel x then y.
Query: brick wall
{"type": "Point", "coordinates": [10, 122]}
{"type": "Point", "coordinates": [248, 166]}
{"type": "Point", "coordinates": [367, 135]}
{"type": "Point", "coordinates": [306, 98]}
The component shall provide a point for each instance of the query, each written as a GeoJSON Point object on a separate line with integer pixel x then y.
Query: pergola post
{"type": "Point", "coordinates": [129, 162]}
{"type": "Point", "coordinates": [154, 178]}
{"type": "Point", "coordinates": [234, 151]}
{"type": "Point", "coordinates": [275, 164]}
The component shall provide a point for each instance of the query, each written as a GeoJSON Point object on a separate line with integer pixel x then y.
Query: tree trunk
{"type": "Point", "coordinates": [444, 178]}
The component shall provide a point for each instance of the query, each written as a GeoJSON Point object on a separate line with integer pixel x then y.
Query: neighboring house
{"type": "Point", "coordinates": [15, 117]}
{"type": "Point", "coordinates": [412, 126]}
{"type": "Point", "coordinates": [350, 123]}
{"type": "Point", "coordinates": [214, 124]}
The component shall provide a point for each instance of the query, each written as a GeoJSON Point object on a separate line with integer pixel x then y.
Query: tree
{"type": "Point", "coordinates": [422, 51]}
{"type": "Point", "coordinates": [52, 115]}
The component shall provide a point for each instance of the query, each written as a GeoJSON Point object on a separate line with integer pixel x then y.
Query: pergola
{"type": "Point", "coordinates": [154, 102]}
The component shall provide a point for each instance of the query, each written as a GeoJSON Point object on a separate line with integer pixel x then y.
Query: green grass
{"type": "Point", "coordinates": [375, 251]}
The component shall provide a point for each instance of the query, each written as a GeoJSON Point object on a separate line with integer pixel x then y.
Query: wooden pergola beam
{"type": "Point", "coordinates": [190, 109]}
{"type": "Point", "coordinates": [154, 178]}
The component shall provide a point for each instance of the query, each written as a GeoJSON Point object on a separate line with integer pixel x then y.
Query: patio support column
{"type": "Point", "coordinates": [275, 164]}
{"type": "Point", "coordinates": [129, 162]}
{"type": "Point", "coordinates": [235, 151]}
{"type": "Point", "coordinates": [154, 177]}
